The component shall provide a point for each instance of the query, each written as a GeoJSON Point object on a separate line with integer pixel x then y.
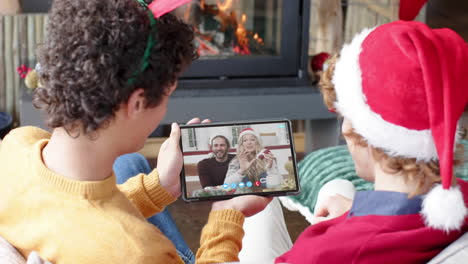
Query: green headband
{"type": "Point", "coordinates": [149, 45]}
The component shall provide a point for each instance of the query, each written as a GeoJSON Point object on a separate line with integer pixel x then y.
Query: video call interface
{"type": "Point", "coordinates": [238, 159]}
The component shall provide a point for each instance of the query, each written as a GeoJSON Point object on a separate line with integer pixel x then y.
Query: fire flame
{"type": "Point", "coordinates": [242, 39]}
{"type": "Point", "coordinates": [223, 10]}
{"type": "Point", "coordinates": [223, 6]}
{"type": "Point", "coordinates": [258, 39]}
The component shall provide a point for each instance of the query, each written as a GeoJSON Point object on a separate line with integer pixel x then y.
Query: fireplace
{"type": "Point", "coordinates": [253, 65]}
{"type": "Point", "coordinates": [259, 42]}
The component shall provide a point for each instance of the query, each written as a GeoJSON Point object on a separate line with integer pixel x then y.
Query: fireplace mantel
{"type": "Point", "coordinates": [298, 103]}
{"type": "Point", "coordinates": [244, 104]}
{"type": "Point", "coordinates": [295, 103]}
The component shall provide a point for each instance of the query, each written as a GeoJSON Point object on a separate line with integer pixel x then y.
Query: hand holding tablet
{"type": "Point", "coordinates": [223, 160]}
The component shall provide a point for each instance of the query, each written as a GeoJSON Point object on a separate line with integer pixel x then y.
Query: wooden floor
{"type": "Point", "coordinates": [191, 217]}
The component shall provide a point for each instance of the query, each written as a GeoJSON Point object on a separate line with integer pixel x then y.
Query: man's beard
{"type": "Point", "coordinates": [223, 156]}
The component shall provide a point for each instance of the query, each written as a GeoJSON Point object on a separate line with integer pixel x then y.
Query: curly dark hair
{"type": "Point", "coordinates": [92, 49]}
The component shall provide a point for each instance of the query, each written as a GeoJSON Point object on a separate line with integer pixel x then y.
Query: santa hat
{"type": "Point", "coordinates": [404, 86]}
{"type": "Point", "coordinates": [317, 62]}
{"type": "Point", "coordinates": [246, 131]}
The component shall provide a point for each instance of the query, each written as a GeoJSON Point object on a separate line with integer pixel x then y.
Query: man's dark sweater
{"type": "Point", "coordinates": [212, 172]}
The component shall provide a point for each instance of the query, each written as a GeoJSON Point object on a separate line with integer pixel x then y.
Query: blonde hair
{"type": "Point", "coordinates": [326, 86]}
{"type": "Point", "coordinates": [423, 173]}
{"type": "Point", "coordinates": [258, 166]}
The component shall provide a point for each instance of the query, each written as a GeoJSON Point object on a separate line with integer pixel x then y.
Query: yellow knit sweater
{"type": "Point", "coordinates": [69, 221]}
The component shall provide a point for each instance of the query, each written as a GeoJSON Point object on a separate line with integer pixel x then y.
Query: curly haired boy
{"type": "Point", "coordinates": [108, 68]}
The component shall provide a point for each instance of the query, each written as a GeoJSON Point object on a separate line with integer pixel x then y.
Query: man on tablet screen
{"type": "Point", "coordinates": [212, 171]}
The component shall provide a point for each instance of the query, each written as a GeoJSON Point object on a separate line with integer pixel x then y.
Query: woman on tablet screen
{"type": "Point", "coordinates": [253, 165]}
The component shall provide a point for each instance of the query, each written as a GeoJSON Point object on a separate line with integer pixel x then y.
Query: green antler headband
{"type": "Point", "coordinates": [149, 45]}
{"type": "Point", "coordinates": [155, 10]}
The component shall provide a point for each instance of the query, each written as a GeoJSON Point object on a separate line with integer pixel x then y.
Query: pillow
{"type": "Point", "coordinates": [455, 253]}
{"type": "Point", "coordinates": [9, 254]}
{"type": "Point", "coordinates": [318, 168]}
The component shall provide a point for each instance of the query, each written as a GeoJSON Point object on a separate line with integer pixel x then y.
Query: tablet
{"type": "Point", "coordinates": [223, 160]}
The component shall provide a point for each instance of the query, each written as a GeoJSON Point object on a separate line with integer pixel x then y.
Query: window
{"type": "Point", "coordinates": [235, 134]}
{"type": "Point", "coordinates": [286, 134]}
{"type": "Point", "coordinates": [192, 138]}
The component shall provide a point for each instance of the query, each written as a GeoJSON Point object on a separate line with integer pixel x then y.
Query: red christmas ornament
{"type": "Point", "coordinates": [23, 71]}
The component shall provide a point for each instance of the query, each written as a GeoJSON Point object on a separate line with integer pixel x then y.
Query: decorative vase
{"type": "Point", "coordinates": [6, 123]}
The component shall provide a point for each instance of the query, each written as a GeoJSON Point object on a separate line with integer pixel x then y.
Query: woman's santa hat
{"type": "Point", "coordinates": [250, 131]}
{"type": "Point", "coordinates": [404, 86]}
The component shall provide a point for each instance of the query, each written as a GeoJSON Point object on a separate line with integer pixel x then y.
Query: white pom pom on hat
{"type": "Point", "coordinates": [442, 209]}
{"type": "Point", "coordinates": [404, 86]}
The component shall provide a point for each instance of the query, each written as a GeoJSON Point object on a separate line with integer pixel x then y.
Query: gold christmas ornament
{"type": "Point", "coordinates": [32, 79]}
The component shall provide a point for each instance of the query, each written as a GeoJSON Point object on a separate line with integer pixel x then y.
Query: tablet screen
{"type": "Point", "coordinates": [230, 159]}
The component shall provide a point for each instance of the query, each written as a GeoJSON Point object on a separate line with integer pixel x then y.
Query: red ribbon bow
{"type": "Point", "coordinates": [162, 7]}
{"type": "Point", "coordinates": [23, 71]}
